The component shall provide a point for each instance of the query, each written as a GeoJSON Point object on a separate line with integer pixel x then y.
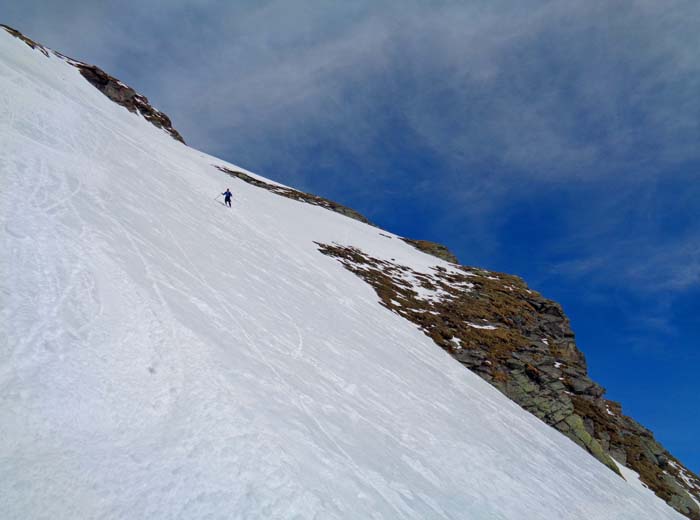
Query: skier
{"type": "Point", "coordinates": [227, 196]}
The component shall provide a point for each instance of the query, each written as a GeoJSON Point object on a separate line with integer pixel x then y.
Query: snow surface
{"type": "Point", "coordinates": [478, 326]}
{"type": "Point", "coordinates": [633, 479]}
{"type": "Point", "coordinates": [163, 356]}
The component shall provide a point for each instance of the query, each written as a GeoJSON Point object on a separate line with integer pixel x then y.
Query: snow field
{"type": "Point", "coordinates": [166, 357]}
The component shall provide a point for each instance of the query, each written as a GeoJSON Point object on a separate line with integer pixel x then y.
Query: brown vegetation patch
{"type": "Point", "coordinates": [522, 343]}
{"type": "Point", "coordinates": [433, 248]}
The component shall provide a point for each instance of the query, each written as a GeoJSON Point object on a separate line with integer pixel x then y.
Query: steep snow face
{"type": "Point", "coordinates": [164, 356]}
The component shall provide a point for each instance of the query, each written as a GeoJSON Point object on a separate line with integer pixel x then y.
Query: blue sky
{"type": "Point", "coordinates": [559, 141]}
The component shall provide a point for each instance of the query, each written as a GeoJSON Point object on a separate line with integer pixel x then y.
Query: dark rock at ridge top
{"type": "Point", "coordinates": [433, 248]}
{"type": "Point", "coordinates": [297, 195]}
{"type": "Point", "coordinates": [110, 86]}
{"type": "Point", "coordinates": [28, 41]}
{"type": "Point", "coordinates": [127, 97]}
{"type": "Point", "coordinates": [523, 345]}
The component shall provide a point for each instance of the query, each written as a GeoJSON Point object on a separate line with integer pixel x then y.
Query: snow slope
{"type": "Point", "coordinates": [165, 357]}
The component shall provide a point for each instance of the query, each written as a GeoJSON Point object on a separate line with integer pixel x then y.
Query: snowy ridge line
{"type": "Point", "coordinates": [426, 246]}
{"type": "Point", "coordinates": [291, 193]}
{"type": "Point", "coordinates": [166, 357]}
{"type": "Point", "coordinates": [34, 45]}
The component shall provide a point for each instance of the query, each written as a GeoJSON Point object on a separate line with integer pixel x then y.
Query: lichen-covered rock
{"type": "Point", "coordinates": [433, 248]}
{"type": "Point", "coordinates": [522, 344]}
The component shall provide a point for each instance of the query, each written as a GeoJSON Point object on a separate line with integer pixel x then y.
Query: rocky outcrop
{"type": "Point", "coordinates": [28, 41]}
{"type": "Point", "coordinates": [110, 86]}
{"type": "Point", "coordinates": [297, 195]}
{"type": "Point", "coordinates": [433, 248]}
{"type": "Point", "coordinates": [522, 343]}
{"type": "Point", "coordinates": [127, 97]}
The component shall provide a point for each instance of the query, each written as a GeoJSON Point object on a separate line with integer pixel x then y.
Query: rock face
{"type": "Point", "coordinates": [522, 344]}
{"type": "Point", "coordinates": [110, 86]}
{"type": "Point", "coordinates": [433, 248]}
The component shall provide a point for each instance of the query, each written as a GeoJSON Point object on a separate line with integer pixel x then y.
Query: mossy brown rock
{"type": "Point", "coordinates": [433, 248]}
{"type": "Point", "coordinates": [522, 343]}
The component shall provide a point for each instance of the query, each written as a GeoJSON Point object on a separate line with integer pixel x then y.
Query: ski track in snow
{"type": "Point", "coordinates": [165, 357]}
